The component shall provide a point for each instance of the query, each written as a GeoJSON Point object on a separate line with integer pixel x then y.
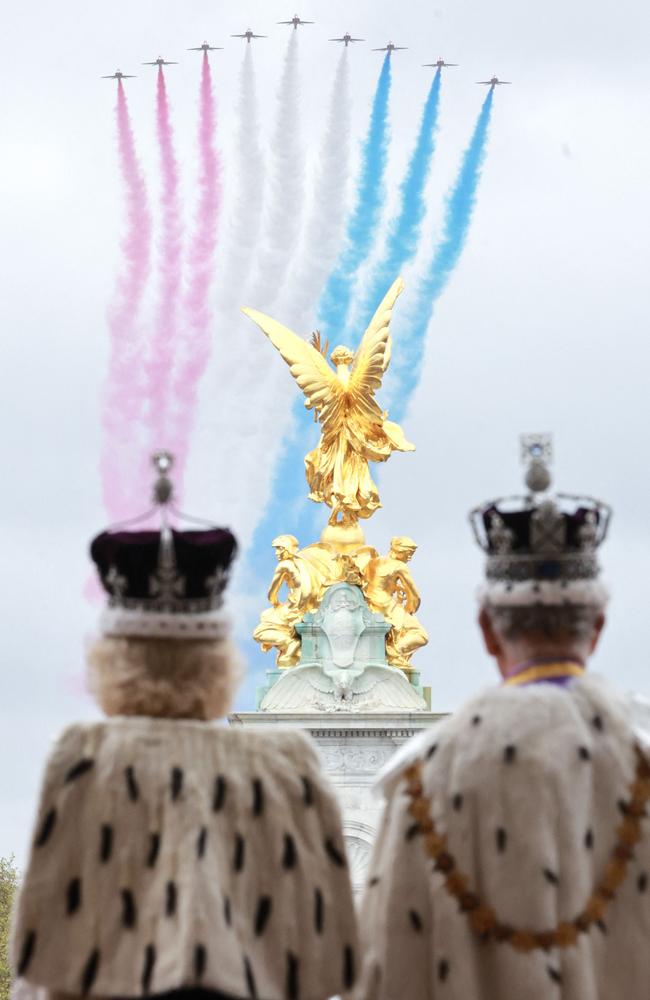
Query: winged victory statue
{"type": "Point", "coordinates": [354, 430]}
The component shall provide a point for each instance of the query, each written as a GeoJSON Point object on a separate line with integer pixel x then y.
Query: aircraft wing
{"type": "Point", "coordinates": [487, 83]}
{"type": "Point", "coordinates": [357, 39]}
{"type": "Point", "coordinates": [260, 36]}
{"type": "Point", "coordinates": [241, 36]}
{"type": "Point", "coordinates": [384, 48]}
{"type": "Point", "coordinates": [150, 64]}
{"type": "Point", "coordinates": [336, 39]}
{"type": "Point", "coordinates": [505, 81]}
{"type": "Point", "coordinates": [289, 22]}
{"type": "Point", "coordinates": [400, 48]}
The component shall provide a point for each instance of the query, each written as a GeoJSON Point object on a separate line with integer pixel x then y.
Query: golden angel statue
{"type": "Point", "coordinates": [354, 430]}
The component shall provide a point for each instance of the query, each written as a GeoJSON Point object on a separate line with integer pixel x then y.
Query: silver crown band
{"type": "Point", "coordinates": [562, 568]}
{"type": "Point", "coordinates": [145, 624]}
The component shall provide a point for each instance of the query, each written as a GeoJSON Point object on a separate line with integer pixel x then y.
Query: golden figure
{"type": "Point", "coordinates": [391, 591]}
{"type": "Point", "coordinates": [354, 430]}
{"type": "Point", "coordinates": [306, 575]}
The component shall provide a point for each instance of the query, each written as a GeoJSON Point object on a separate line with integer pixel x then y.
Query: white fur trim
{"type": "Point", "coordinates": [593, 593]}
{"type": "Point", "coordinates": [164, 625]}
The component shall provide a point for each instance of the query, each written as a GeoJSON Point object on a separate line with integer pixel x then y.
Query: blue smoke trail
{"type": "Point", "coordinates": [407, 360]}
{"type": "Point", "coordinates": [404, 230]}
{"type": "Point", "coordinates": [335, 300]}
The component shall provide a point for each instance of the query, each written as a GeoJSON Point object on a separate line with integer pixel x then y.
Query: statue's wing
{"type": "Point", "coordinates": [323, 390]}
{"type": "Point", "coordinates": [295, 690]}
{"type": "Point", "coordinates": [390, 689]}
{"type": "Point", "coordinates": [373, 356]}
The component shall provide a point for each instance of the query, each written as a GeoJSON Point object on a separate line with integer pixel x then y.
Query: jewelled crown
{"type": "Point", "coordinates": [165, 582]}
{"type": "Point", "coordinates": [541, 547]}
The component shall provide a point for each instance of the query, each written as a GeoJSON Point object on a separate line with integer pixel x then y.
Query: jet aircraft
{"type": "Point", "coordinates": [248, 34]}
{"type": "Point", "coordinates": [494, 82]}
{"type": "Point", "coordinates": [206, 48]}
{"type": "Point", "coordinates": [118, 75]}
{"type": "Point", "coordinates": [160, 62]}
{"type": "Point", "coordinates": [439, 64]}
{"type": "Point", "coordinates": [391, 48]}
{"type": "Point", "coordinates": [347, 38]}
{"type": "Point", "coordinates": [295, 20]}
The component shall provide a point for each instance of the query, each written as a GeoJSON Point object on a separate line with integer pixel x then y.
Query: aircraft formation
{"type": "Point", "coordinates": [296, 22]}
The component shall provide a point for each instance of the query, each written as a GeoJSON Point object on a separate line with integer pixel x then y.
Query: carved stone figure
{"type": "Point", "coordinates": [390, 590]}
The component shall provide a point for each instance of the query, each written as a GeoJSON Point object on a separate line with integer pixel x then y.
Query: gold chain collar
{"type": "Point", "coordinates": [482, 917]}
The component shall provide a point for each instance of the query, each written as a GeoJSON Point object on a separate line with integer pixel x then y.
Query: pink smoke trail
{"type": "Point", "coordinates": [162, 348]}
{"type": "Point", "coordinates": [194, 348]}
{"type": "Point", "coordinates": [122, 391]}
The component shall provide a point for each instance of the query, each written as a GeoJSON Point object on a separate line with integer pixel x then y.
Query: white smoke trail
{"type": "Point", "coordinates": [284, 211]}
{"type": "Point", "coordinates": [324, 230]}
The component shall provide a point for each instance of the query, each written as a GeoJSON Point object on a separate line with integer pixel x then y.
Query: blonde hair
{"type": "Point", "coordinates": [172, 679]}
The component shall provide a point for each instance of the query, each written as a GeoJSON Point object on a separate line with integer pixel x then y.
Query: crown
{"type": "Point", "coordinates": [541, 547]}
{"type": "Point", "coordinates": [166, 581]}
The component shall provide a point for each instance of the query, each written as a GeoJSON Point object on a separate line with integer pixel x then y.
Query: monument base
{"type": "Point", "coordinates": [354, 748]}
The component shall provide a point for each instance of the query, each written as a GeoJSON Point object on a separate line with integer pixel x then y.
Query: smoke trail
{"type": "Point", "coordinates": [286, 185]}
{"type": "Point", "coordinates": [334, 305]}
{"type": "Point", "coordinates": [194, 349]}
{"type": "Point", "coordinates": [163, 342]}
{"type": "Point", "coordinates": [459, 207]}
{"type": "Point", "coordinates": [404, 230]}
{"type": "Point", "coordinates": [325, 227]}
{"type": "Point", "coordinates": [122, 389]}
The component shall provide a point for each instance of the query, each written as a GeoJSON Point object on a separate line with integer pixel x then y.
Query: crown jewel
{"type": "Point", "coordinates": [539, 546]}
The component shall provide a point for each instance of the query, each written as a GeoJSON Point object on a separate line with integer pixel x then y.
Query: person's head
{"type": "Point", "coordinates": [542, 595]}
{"type": "Point", "coordinates": [285, 546]}
{"type": "Point", "coordinates": [163, 678]}
{"type": "Point", "coordinates": [402, 548]}
{"type": "Point", "coordinates": [516, 633]}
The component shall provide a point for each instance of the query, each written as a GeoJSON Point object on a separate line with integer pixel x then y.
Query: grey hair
{"type": "Point", "coordinates": [553, 621]}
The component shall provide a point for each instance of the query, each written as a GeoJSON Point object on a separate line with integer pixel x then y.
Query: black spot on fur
{"type": "Point", "coordinates": [250, 979]}
{"type": "Point", "coordinates": [443, 969]}
{"type": "Point", "coordinates": [200, 961]}
{"type": "Point", "coordinates": [597, 723]}
{"type": "Point", "coordinates": [78, 769]}
{"type": "Point", "coordinates": [416, 920]}
{"type": "Point", "coordinates": [554, 974]}
{"type": "Point", "coordinates": [375, 880]}
{"type": "Point", "coordinates": [258, 797]}
{"type": "Point", "coordinates": [105, 843]}
{"type": "Point", "coordinates": [26, 952]}
{"type": "Point", "coordinates": [334, 854]}
{"type": "Point", "coordinates": [131, 784]}
{"type": "Point", "coordinates": [129, 915]}
{"type": "Point", "coordinates": [307, 791]}
{"type": "Point", "coordinates": [264, 907]}
{"type": "Point", "coordinates": [239, 857]}
{"type": "Point", "coordinates": [509, 753]}
{"type": "Point", "coordinates": [289, 853]}
{"type": "Point", "coordinates": [602, 926]}
{"type": "Point", "coordinates": [551, 877]}
{"type": "Point", "coordinates": [589, 839]}
{"type": "Point", "coordinates": [319, 911]}
{"type": "Point", "coordinates": [89, 973]}
{"type": "Point", "coordinates": [47, 826]}
{"type": "Point", "coordinates": [432, 749]}
{"type": "Point", "coordinates": [412, 831]}
{"type": "Point", "coordinates": [476, 720]}
{"type": "Point", "coordinates": [148, 967]}
{"type": "Point", "coordinates": [348, 967]}
{"type": "Point", "coordinates": [293, 984]}
{"type": "Point", "coordinates": [201, 842]}
{"type": "Point", "coordinates": [154, 849]}
{"type": "Point", "coordinates": [584, 753]}
{"type": "Point", "coordinates": [642, 882]}
{"type": "Point", "coordinates": [171, 898]}
{"type": "Point", "coordinates": [73, 896]}
{"type": "Point", "coordinates": [227, 913]}
{"type": "Point", "coordinates": [220, 790]}
{"type": "Point", "coordinates": [457, 801]}
{"type": "Point", "coordinates": [501, 839]}
{"type": "Point", "coordinates": [176, 783]}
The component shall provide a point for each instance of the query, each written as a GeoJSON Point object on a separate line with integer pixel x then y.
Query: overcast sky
{"type": "Point", "coordinates": [544, 326]}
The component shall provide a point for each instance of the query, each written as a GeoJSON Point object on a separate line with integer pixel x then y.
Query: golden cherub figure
{"type": "Point", "coordinates": [354, 430]}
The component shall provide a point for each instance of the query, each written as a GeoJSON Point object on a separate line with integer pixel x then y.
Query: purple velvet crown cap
{"type": "Point", "coordinates": [171, 570]}
{"type": "Point", "coordinates": [519, 523]}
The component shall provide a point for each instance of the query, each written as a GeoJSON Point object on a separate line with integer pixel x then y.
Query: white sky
{"type": "Point", "coordinates": [543, 327]}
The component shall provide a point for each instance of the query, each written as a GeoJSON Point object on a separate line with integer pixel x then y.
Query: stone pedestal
{"type": "Point", "coordinates": [354, 748]}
